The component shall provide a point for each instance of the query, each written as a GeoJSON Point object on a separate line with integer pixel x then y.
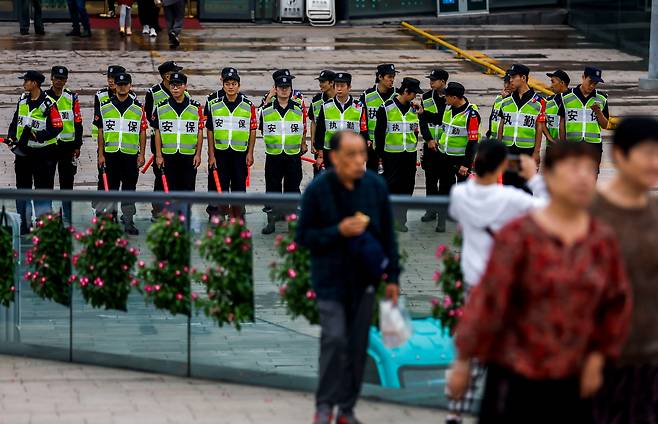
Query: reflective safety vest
{"type": "Point", "coordinates": [495, 116]}
{"type": "Point", "coordinates": [400, 129]}
{"type": "Point", "coordinates": [35, 119]}
{"type": "Point", "coordinates": [178, 132]}
{"type": "Point", "coordinates": [455, 132]}
{"type": "Point", "coordinates": [520, 123]}
{"type": "Point", "coordinates": [335, 120]}
{"type": "Point", "coordinates": [580, 120]}
{"type": "Point", "coordinates": [430, 105]}
{"type": "Point", "coordinates": [159, 94]}
{"type": "Point", "coordinates": [121, 131]}
{"type": "Point", "coordinates": [230, 128]}
{"type": "Point", "coordinates": [317, 105]}
{"type": "Point", "coordinates": [65, 107]}
{"type": "Point", "coordinates": [283, 134]}
{"type": "Point", "coordinates": [552, 118]}
{"type": "Point", "coordinates": [373, 102]}
{"type": "Point", "coordinates": [103, 96]}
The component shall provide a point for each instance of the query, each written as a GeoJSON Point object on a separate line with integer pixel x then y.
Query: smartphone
{"type": "Point", "coordinates": [513, 163]}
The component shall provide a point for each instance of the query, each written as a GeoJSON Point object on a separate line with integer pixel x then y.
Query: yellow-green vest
{"type": "Point", "coordinates": [103, 96]}
{"type": "Point", "coordinates": [178, 132]}
{"type": "Point", "coordinates": [400, 129]}
{"type": "Point", "coordinates": [552, 118]}
{"type": "Point", "coordinates": [455, 132]}
{"type": "Point", "coordinates": [35, 119]}
{"type": "Point", "coordinates": [65, 108]}
{"type": "Point", "coordinates": [580, 120]}
{"type": "Point", "coordinates": [430, 105]}
{"type": "Point", "coordinates": [230, 129]}
{"type": "Point", "coordinates": [121, 131]}
{"type": "Point", "coordinates": [520, 123]}
{"type": "Point", "coordinates": [335, 120]}
{"type": "Point", "coordinates": [317, 105]}
{"type": "Point", "coordinates": [373, 101]}
{"type": "Point", "coordinates": [495, 116]}
{"type": "Point", "coordinates": [283, 134]}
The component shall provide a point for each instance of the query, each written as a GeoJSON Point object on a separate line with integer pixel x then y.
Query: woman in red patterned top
{"type": "Point", "coordinates": [552, 306]}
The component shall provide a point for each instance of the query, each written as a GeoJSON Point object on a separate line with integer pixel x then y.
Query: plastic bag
{"type": "Point", "coordinates": [394, 323]}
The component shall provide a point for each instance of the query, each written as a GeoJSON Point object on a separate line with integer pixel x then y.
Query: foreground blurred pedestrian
{"type": "Point", "coordinates": [630, 389]}
{"type": "Point", "coordinates": [552, 307]}
{"type": "Point", "coordinates": [347, 223]}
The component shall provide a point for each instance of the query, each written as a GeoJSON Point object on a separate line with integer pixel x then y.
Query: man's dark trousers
{"type": "Point", "coordinates": [79, 15]}
{"type": "Point", "coordinates": [343, 350]}
{"type": "Point", "coordinates": [432, 172]}
{"type": "Point", "coordinates": [283, 174]}
{"type": "Point", "coordinates": [232, 171]}
{"type": "Point", "coordinates": [66, 171]}
{"type": "Point", "coordinates": [24, 15]}
{"type": "Point", "coordinates": [37, 170]}
{"type": "Point", "coordinates": [400, 176]}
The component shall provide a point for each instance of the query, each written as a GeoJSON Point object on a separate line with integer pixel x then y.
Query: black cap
{"type": "Point", "coordinates": [455, 89]}
{"type": "Point", "coordinates": [506, 77]}
{"type": "Point", "coordinates": [410, 84]}
{"type": "Point", "coordinates": [230, 74]}
{"type": "Point", "coordinates": [282, 73]}
{"type": "Point", "coordinates": [326, 75]}
{"type": "Point", "coordinates": [112, 70]}
{"type": "Point", "coordinates": [123, 78]}
{"type": "Point", "coordinates": [594, 74]}
{"type": "Point", "coordinates": [178, 77]}
{"type": "Point", "coordinates": [438, 74]}
{"type": "Point", "coordinates": [343, 77]}
{"type": "Point", "coordinates": [169, 66]}
{"type": "Point", "coordinates": [59, 72]}
{"type": "Point", "coordinates": [386, 69]}
{"type": "Point", "coordinates": [33, 76]}
{"type": "Point", "coordinates": [561, 75]}
{"type": "Point", "coordinates": [283, 81]}
{"type": "Point", "coordinates": [518, 69]}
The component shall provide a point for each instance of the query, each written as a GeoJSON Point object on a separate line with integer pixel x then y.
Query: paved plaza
{"type": "Point", "coordinates": [273, 344]}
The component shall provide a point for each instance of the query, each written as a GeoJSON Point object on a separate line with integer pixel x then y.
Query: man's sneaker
{"type": "Point", "coordinates": [173, 39]}
{"type": "Point", "coordinates": [428, 217]}
{"type": "Point", "coordinates": [129, 228]}
{"type": "Point", "coordinates": [347, 419]}
{"type": "Point", "coordinates": [323, 417]}
{"type": "Point", "coordinates": [146, 29]}
{"type": "Point", "coordinates": [111, 14]}
{"type": "Point", "coordinates": [153, 33]}
{"type": "Point", "coordinates": [440, 226]}
{"type": "Point", "coordinates": [129, 31]}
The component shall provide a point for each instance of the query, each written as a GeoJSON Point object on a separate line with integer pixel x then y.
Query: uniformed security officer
{"type": "Point", "coordinates": [231, 127]}
{"type": "Point", "coordinates": [327, 91]}
{"type": "Point", "coordinates": [283, 124]}
{"type": "Point", "coordinates": [342, 112]}
{"type": "Point", "coordinates": [584, 111]}
{"type": "Point", "coordinates": [559, 85]}
{"type": "Point", "coordinates": [33, 135]}
{"type": "Point", "coordinates": [295, 95]}
{"type": "Point", "coordinates": [372, 99]}
{"type": "Point", "coordinates": [69, 140]}
{"type": "Point", "coordinates": [434, 104]}
{"type": "Point", "coordinates": [396, 137]}
{"type": "Point", "coordinates": [122, 128]}
{"type": "Point", "coordinates": [457, 145]}
{"type": "Point", "coordinates": [494, 118]}
{"type": "Point", "coordinates": [104, 94]}
{"type": "Point", "coordinates": [522, 119]}
{"type": "Point", "coordinates": [178, 122]}
{"type": "Point", "coordinates": [154, 96]}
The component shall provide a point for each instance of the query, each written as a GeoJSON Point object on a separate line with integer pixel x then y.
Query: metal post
{"type": "Point", "coordinates": [651, 82]}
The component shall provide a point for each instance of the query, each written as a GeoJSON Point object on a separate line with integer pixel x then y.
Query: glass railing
{"type": "Point", "coordinates": [270, 349]}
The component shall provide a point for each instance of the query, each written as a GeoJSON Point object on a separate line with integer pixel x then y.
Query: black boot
{"type": "Point", "coordinates": [429, 216]}
{"type": "Point", "coordinates": [441, 216]}
{"type": "Point", "coordinates": [129, 225]}
{"type": "Point", "coordinates": [270, 227]}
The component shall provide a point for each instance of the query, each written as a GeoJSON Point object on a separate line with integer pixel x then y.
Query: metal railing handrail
{"type": "Point", "coordinates": [193, 197]}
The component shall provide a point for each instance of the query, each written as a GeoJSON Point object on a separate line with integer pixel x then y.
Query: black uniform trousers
{"type": "Point", "coordinates": [400, 176]}
{"type": "Point", "coordinates": [232, 170]}
{"type": "Point", "coordinates": [512, 178]}
{"type": "Point", "coordinates": [180, 171]}
{"type": "Point", "coordinates": [373, 160]}
{"type": "Point", "coordinates": [430, 163]}
{"type": "Point", "coordinates": [36, 170]}
{"type": "Point", "coordinates": [283, 174]}
{"type": "Point", "coordinates": [122, 174]}
{"type": "Point", "coordinates": [157, 182]}
{"type": "Point", "coordinates": [448, 172]}
{"type": "Point", "coordinates": [66, 170]}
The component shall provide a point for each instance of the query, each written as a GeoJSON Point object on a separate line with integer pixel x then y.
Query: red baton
{"type": "Point", "coordinates": [165, 186]}
{"type": "Point", "coordinates": [147, 165]}
{"type": "Point", "coordinates": [309, 160]}
{"type": "Point", "coordinates": [105, 184]}
{"type": "Point", "coordinates": [248, 182]}
{"type": "Point", "coordinates": [215, 175]}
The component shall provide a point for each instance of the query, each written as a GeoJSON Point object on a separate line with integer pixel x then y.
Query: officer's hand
{"type": "Point", "coordinates": [418, 107]}
{"type": "Point", "coordinates": [528, 167]}
{"type": "Point", "coordinates": [76, 153]}
{"type": "Point", "coordinates": [250, 159]}
{"type": "Point", "coordinates": [140, 160]}
{"type": "Point", "coordinates": [460, 376]}
{"type": "Point", "coordinates": [212, 162]}
{"type": "Point", "coordinates": [537, 157]}
{"type": "Point", "coordinates": [463, 171]}
{"type": "Point", "coordinates": [319, 161]}
{"type": "Point", "coordinates": [352, 226]}
{"type": "Point", "coordinates": [196, 161]}
{"type": "Point", "coordinates": [101, 161]}
{"type": "Point", "coordinates": [304, 148]}
{"type": "Point", "coordinates": [159, 160]}
{"type": "Point", "coordinates": [596, 107]}
{"type": "Point", "coordinates": [432, 145]}
{"type": "Point", "coordinates": [392, 292]}
{"type": "Point", "coordinates": [313, 152]}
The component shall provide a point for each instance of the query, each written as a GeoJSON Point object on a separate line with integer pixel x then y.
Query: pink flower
{"type": "Point", "coordinates": [124, 267]}
{"type": "Point", "coordinates": [204, 277]}
{"type": "Point", "coordinates": [176, 234]}
{"type": "Point", "coordinates": [292, 273]}
{"type": "Point", "coordinates": [435, 302]}
{"type": "Point", "coordinates": [228, 240]}
{"type": "Point", "coordinates": [134, 282]}
{"type": "Point", "coordinates": [179, 296]}
{"type": "Point", "coordinates": [98, 282]}
{"type": "Point", "coordinates": [195, 296]}
{"type": "Point", "coordinates": [440, 250]}
{"type": "Point", "coordinates": [94, 220]}
{"type": "Point", "coordinates": [447, 301]}
{"type": "Point", "coordinates": [451, 313]}
{"type": "Point", "coordinates": [78, 236]}
{"type": "Point", "coordinates": [181, 218]}
{"type": "Point", "coordinates": [241, 221]}
{"type": "Point", "coordinates": [215, 220]}
{"type": "Point", "coordinates": [50, 217]}
{"type": "Point", "coordinates": [72, 229]}
{"type": "Point", "coordinates": [278, 239]}
{"type": "Point", "coordinates": [245, 234]}
{"type": "Point", "coordinates": [232, 220]}
{"type": "Point", "coordinates": [99, 243]}
{"type": "Point", "coordinates": [27, 275]}
{"type": "Point", "coordinates": [178, 273]}
{"type": "Point", "coordinates": [161, 265]}
{"type": "Point", "coordinates": [148, 288]}
{"type": "Point", "coordinates": [186, 269]}
{"type": "Point", "coordinates": [436, 276]}
{"type": "Point", "coordinates": [168, 223]}
{"type": "Point", "coordinates": [310, 294]}
{"type": "Point", "coordinates": [282, 289]}
{"type": "Point", "coordinates": [84, 281]}
{"type": "Point", "coordinates": [35, 240]}
{"type": "Point", "coordinates": [157, 287]}
{"type": "Point", "coordinates": [459, 312]}
{"type": "Point", "coordinates": [141, 264]}
{"type": "Point", "coordinates": [291, 217]}
{"type": "Point", "coordinates": [72, 278]}
{"type": "Point", "coordinates": [43, 280]}
{"type": "Point", "coordinates": [65, 255]}
{"type": "Point", "coordinates": [246, 247]}
{"type": "Point", "coordinates": [12, 288]}
{"type": "Point", "coordinates": [458, 284]}
{"type": "Point", "coordinates": [291, 247]}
